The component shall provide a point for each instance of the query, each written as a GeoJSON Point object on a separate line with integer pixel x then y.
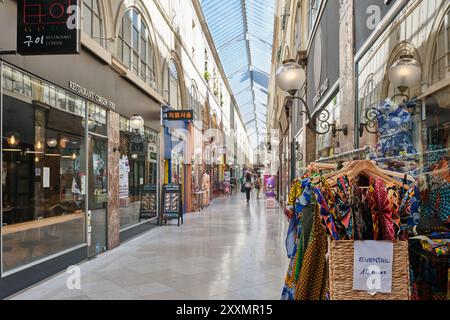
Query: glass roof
{"type": "Point", "coordinates": [243, 34]}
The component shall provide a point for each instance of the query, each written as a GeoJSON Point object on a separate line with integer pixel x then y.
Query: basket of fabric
{"type": "Point", "coordinates": [341, 273]}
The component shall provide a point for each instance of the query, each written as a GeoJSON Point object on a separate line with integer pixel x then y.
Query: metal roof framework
{"type": "Point", "coordinates": [243, 34]}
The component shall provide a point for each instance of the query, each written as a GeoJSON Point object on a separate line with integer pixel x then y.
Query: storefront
{"type": "Point", "coordinates": [412, 120]}
{"type": "Point", "coordinates": [393, 190]}
{"type": "Point", "coordinates": [61, 146]}
{"type": "Point", "coordinates": [137, 175]}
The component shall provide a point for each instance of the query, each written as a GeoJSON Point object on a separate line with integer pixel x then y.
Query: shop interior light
{"type": "Point", "coordinates": [405, 73]}
{"type": "Point", "coordinates": [52, 142]}
{"type": "Point", "coordinates": [36, 159]}
{"type": "Point", "coordinates": [39, 145]}
{"type": "Point", "coordinates": [13, 140]}
{"type": "Point", "coordinates": [12, 150]}
{"type": "Point", "coordinates": [137, 123]}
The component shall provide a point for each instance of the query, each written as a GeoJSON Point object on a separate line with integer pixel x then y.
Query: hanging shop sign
{"type": "Point", "coordinates": [171, 202]}
{"type": "Point", "coordinates": [48, 27]}
{"type": "Point", "coordinates": [368, 16]}
{"type": "Point", "coordinates": [372, 269]}
{"type": "Point", "coordinates": [90, 95]}
{"type": "Point", "coordinates": [176, 115]}
{"type": "Point", "coordinates": [148, 208]}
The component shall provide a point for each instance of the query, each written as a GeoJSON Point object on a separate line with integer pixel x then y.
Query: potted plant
{"type": "Point", "coordinates": [207, 76]}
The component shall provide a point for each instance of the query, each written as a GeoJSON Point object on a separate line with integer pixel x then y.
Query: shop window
{"type": "Point", "coordinates": [325, 143]}
{"type": "Point", "coordinates": [370, 98]}
{"type": "Point", "coordinates": [63, 100]}
{"type": "Point", "coordinates": [124, 124]}
{"type": "Point", "coordinates": [17, 82]}
{"type": "Point", "coordinates": [97, 121]}
{"type": "Point", "coordinates": [137, 169]}
{"type": "Point", "coordinates": [441, 55]}
{"type": "Point", "coordinates": [92, 21]}
{"type": "Point", "coordinates": [43, 174]}
{"type": "Point", "coordinates": [135, 47]}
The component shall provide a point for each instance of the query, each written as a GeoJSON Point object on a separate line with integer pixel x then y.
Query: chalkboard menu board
{"type": "Point", "coordinates": [148, 202]}
{"type": "Point", "coordinates": [48, 27]}
{"type": "Point", "coordinates": [171, 202]}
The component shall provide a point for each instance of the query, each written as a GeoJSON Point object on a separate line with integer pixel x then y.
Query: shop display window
{"type": "Point", "coordinates": [43, 170]}
{"type": "Point", "coordinates": [406, 120]}
{"type": "Point", "coordinates": [326, 144]}
{"type": "Point", "coordinates": [137, 171]}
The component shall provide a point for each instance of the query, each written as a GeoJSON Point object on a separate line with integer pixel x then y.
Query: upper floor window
{"type": "Point", "coordinates": [298, 27]}
{"type": "Point", "coordinates": [441, 56]}
{"type": "Point", "coordinates": [195, 104]}
{"type": "Point", "coordinates": [173, 85]}
{"type": "Point", "coordinates": [92, 20]}
{"type": "Point", "coordinates": [135, 48]}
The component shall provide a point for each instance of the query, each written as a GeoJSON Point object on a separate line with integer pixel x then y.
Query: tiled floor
{"type": "Point", "coordinates": [229, 251]}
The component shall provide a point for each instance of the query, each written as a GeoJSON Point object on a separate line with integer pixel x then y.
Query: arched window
{"type": "Point", "coordinates": [370, 98]}
{"type": "Point", "coordinates": [173, 85]}
{"type": "Point", "coordinates": [440, 67]}
{"type": "Point", "coordinates": [135, 47]}
{"type": "Point", "coordinates": [92, 20]}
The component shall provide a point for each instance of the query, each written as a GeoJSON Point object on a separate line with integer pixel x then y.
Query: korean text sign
{"type": "Point", "coordinates": [48, 27]}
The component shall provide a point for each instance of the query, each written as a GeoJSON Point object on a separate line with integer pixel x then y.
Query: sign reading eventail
{"type": "Point", "coordinates": [47, 27]}
{"type": "Point", "coordinates": [372, 268]}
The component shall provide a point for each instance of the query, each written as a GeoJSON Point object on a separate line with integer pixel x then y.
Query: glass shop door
{"type": "Point", "coordinates": [98, 195]}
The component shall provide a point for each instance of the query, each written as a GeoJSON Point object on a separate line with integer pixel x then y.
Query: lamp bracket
{"type": "Point", "coordinates": [335, 129]}
{"type": "Point", "coordinates": [321, 118]}
{"type": "Point", "coordinates": [371, 116]}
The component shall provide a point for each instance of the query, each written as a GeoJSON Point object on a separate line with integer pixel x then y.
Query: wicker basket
{"type": "Point", "coordinates": [341, 273]}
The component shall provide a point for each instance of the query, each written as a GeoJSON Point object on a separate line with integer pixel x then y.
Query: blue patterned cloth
{"type": "Point", "coordinates": [395, 126]}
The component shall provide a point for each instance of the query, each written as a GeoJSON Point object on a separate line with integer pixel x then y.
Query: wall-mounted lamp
{"type": "Point", "coordinates": [290, 77]}
{"type": "Point", "coordinates": [90, 122]}
{"type": "Point", "coordinates": [404, 74]}
{"type": "Point", "coordinates": [134, 156]}
{"type": "Point", "coordinates": [137, 123]}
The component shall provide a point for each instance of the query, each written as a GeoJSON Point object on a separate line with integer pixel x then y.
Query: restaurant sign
{"type": "Point", "coordinates": [48, 27]}
{"type": "Point", "coordinates": [175, 115]}
{"type": "Point", "coordinates": [88, 94]}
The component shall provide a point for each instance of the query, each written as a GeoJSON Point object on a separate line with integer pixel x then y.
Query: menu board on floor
{"type": "Point", "coordinates": [171, 201]}
{"type": "Point", "coordinates": [148, 202]}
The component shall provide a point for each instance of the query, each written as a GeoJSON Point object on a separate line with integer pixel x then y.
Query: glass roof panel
{"type": "Point", "coordinates": [243, 34]}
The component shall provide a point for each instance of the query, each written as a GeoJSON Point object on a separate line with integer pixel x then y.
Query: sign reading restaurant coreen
{"type": "Point", "coordinates": [91, 95]}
